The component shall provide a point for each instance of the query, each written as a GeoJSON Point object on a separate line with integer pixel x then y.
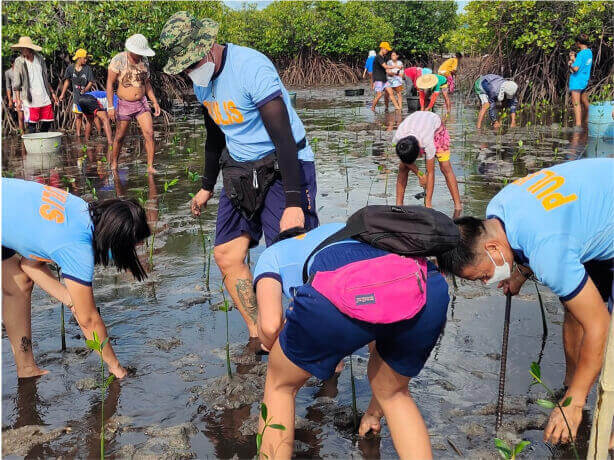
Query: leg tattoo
{"type": "Point", "coordinates": [246, 294]}
{"type": "Point", "coordinates": [26, 344]}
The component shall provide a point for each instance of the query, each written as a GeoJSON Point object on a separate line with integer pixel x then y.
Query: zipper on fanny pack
{"type": "Point", "coordinates": [255, 179]}
{"type": "Point", "coordinates": [419, 282]}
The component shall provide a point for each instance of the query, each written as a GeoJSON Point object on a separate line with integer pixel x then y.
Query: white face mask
{"type": "Point", "coordinates": [201, 76]}
{"type": "Point", "coordinates": [502, 272]}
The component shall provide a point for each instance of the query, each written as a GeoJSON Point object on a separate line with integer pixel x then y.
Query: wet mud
{"type": "Point", "coordinates": [178, 401]}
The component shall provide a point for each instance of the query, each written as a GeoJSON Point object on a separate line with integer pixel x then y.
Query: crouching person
{"type": "Point", "coordinates": [324, 323]}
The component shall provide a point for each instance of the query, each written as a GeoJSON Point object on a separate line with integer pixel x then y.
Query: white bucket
{"type": "Point", "coordinates": [42, 142]}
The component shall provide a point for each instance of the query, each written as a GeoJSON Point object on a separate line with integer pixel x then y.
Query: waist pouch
{"type": "Point", "coordinates": [247, 182]}
{"type": "Point", "coordinates": [382, 290]}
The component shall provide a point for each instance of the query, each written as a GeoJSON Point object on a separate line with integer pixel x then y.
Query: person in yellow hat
{"type": "Point", "coordinates": [82, 78]}
{"type": "Point", "coordinates": [432, 85]}
{"type": "Point", "coordinates": [32, 91]}
{"type": "Point", "coordinates": [380, 82]}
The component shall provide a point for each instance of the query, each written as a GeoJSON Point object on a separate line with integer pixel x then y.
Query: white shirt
{"type": "Point", "coordinates": [422, 125]}
{"type": "Point", "coordinates": [40, 98]}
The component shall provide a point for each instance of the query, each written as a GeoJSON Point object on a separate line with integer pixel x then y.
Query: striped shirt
{"type": "Point", "coordinates": [421, 125]}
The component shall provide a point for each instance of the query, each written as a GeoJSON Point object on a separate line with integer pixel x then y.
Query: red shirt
{"type": "Point", "coordinates": [413, 73]}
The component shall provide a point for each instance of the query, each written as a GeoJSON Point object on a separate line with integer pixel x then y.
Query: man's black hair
{"type": "Point", "coordinates": [290, 233]}
{"type": "Point", "coordinates": [408, 149]}
{"type": "Point", "coordinates": [459, 55]}
{"type": "Point", "coordinates": [118, 226]}
{"type": "Point", "coordinates": [583, 38]}
{"type": "Point", "coordinates": [454, 260]}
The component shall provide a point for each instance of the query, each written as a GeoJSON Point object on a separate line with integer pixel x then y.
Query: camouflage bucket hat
{"type": "Point", "coordinates": [187, 40]}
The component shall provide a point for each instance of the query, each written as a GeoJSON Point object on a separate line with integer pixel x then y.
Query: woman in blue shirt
{"type": "Point", "coordinates": [580, 68]}
{"type": "Point", "coordinates": [48, 225]}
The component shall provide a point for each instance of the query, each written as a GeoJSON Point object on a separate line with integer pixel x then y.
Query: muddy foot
{"type": "Point", "coordinates": [30, 371]}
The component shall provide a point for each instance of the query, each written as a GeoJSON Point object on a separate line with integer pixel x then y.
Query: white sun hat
{"type": "Point", "coordinates": [138, 44]}
{"type": "Point", "coordinates": [508, 90]}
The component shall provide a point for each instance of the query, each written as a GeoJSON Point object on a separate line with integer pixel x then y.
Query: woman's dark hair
{"type": "Point", "coordinates": [583, 38]}
{"type": "Point", "coordinates": [454, 260]}
{"type": "Point", "coordinates": [118, 226]}
{"type": "Point", "coordinates": [408, 149]}
{"type": "Point", "coordinates": [290, 233]}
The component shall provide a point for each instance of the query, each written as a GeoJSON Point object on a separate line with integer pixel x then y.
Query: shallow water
{"type": "Point", "coordinates": [171, 333]}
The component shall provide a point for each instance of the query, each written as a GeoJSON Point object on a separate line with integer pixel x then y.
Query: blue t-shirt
{"type": "Point", "coordinates": [559, 218]}
{"type": "Point", "coordinates": [48, 224]}
{"type": "Point", "coordinates": [284, 261]}
{"type": "Point", "coordinates": [247, 81]}
{"type": "Point", "coordinates": [369, 64]}
{"type": "Point", "coordinates": [579, 80]}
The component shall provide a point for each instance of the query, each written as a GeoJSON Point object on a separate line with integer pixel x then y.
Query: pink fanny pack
{"type": "Point", "coordinates": [382, 290]}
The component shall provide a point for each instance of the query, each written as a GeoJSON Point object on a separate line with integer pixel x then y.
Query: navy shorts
{"type": "Point", "coordinates": [231, 223]}
{"type": "Point", "coordinates": [602, 274]}
{"type": "Point", "coordinates": [316, 335]}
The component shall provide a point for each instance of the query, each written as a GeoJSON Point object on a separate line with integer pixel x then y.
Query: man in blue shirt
{"type": "Point", "coordinates": [255, 136]}
{"type": "Point", "coordinates": [369, 67]}
{"type": "Point", "coordinates": [316, 335]}
{"type": "Point", "coordinates": [580, 68]}
{"type": "Point", "coordinates": [497, 90]}
{"type": "Point", "coordinates": [558, 225]}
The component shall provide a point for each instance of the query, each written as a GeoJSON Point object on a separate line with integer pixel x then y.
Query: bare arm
{"type": "Point", "coordinates": [64, 88]}
{"type": "Point", "coordinates": [270, 311]}
{"type": "Point", "coordinates": [430, 182]}
{"type": "Point", "coordinates": [111, 79]}
{"type": "Point", "coordinates": [40, 274]}
{"type": "Point", "coordinates": [589, 310]}
{"type": "Point", "coordinates": [89, 320]}
{"type": "Point", "coordinates": [152, 97]}
{"type": "Point", "coordinates": [88, 87]}
{"type": "Point", "coordinates": [402, 182]}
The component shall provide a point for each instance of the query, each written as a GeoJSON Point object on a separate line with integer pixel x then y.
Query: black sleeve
{"type": "Point", "coordinates": [214, 145]}
{"type": "Point", "coordinates": [277, 123]}
{"type": "Point", "coordinates": [68, 72]}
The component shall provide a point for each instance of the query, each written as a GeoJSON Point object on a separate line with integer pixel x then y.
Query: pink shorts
{"type": "Point", "coordinates": [127, 110]}
{"type": "Point", "coordinates": [37, 114]}
{"type": "Point", "coordinates": [442, 139]}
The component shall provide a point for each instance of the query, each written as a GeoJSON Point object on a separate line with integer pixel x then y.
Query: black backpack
{"type": "Point", "coordinates": [413, 231]}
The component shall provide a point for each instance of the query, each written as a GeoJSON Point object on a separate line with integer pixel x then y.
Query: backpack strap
{"type": "Point", "coordinates": [340, 235]}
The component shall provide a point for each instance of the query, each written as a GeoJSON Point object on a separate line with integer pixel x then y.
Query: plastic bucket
{"type": "Point", "coordinates": [42, 142]}
{"type": "Point", "coordinates": [600, 121]}
{"type": "Point", "coordinates": [413, 103]}
{"type": "Point", "coordinates": [292, 95]}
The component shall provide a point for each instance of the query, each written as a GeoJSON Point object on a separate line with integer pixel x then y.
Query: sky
{"type": "Point", "coordinates": [262, 4]}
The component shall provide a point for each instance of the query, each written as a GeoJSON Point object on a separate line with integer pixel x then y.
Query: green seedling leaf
{"type": "Point", "coordinates": [503, 448]}
{"type": "Point", "coordinates": [277, 426]}
{"type": "Point", "coordinates": [567, 401]}
{"type": "Point", "coordinates": [545, 403]}
{"type": "Point", "coordinates": [191, 194]}
{"type": "Point", "coordinates": [500, 443]}
{"type": "Point", "coordinates": [536, 371]}
{"type": "Point", "coordinates": [165, 186]}
{"type": "Point", "coordinates": [92, 345]}
{"type": "Point", "coordinates": [96, 339]}
{"type": "Point", "coordinates": [520, 143]}
{"type": "Point", "coordinates": [173, 182]}
{"type": "Point", "coordinates": [258, 441]}
{"type": "Point", "coordinates": [518, 448]}
{"type": "Point", "coordinates": [263, 411]}
{"type": "Point", "coordinates": [109, 381]}
{"type": "Point", "coordinates": [223, 307]}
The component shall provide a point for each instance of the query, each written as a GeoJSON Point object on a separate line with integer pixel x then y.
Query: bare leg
{"type": "Point", "coordinates": [78, 121]}
{"type": "Point", "coordinates": [120, 133]}
{"type": "Point", "coordinates": [16, 315]}
{"type": "Point", "coordinates": [283, 380]}
{"type": "Point", "coordinates": [585, 104]}
{"type": "Point", "coordinates": [446, 98]}
{"type": "Point", "coordinates": [88, 127]}
{"type": "Point", "coordinates": [230, 258]}
{"type": "Point", "coordinates": [386, 100]}
{"type": "Point", "coordinates": [392, 97]}
{"type": "Point", "coordinates": [573, 333]}
{"type": "Point", "coordinates": [407, 427]}
{"type": "Point", "coordinates": [146, 123]}
{"type": "Point", "coordinates": [448, 173]}
{"type": "Point", "coordinates": [483, 111]}
{"type": "Point", "coordinates": [378, 96]}
{"type": "Point", "coordinates": [577, 108]}
{"type": "Point", "coordinates": [20, 120]}
{"type": "Point", "coordinates": [102, 116]}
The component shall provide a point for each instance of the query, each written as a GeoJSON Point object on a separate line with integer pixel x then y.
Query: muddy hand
{"type": "Point", "coordinates": [200, 200]}
{"type": "Point", "coordinates": [556, 430]}
{"type": "Point", "coordinates": [119, 372]}
{"type": "Point", "coordinates": [369, 422]}
{"type": "Point", "coordinates": [291, 218]}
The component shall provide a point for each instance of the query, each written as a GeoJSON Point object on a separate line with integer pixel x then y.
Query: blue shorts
{"type": "Point", "coordinates": [316, 335]}
{"type": "Point", "coordinates": [231, 223]}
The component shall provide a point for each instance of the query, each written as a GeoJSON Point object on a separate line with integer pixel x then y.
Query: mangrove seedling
{"type": "Point", "coordinates": [267, 424]}
{"type": "Point", "coordinates": [98, 346]}
{"type": "Point", "coordinates": [535, 372]}
{"type": "Point", "coordinates": [201, 234]}
{"type": "Point", "coordinates": [225, 307]}
{"type": "Point", "coordinates": [354, 408]}
{"type": "Point", "coordinates": [167, 188]}
{"type": "Point", "coordinates": [508, 453]}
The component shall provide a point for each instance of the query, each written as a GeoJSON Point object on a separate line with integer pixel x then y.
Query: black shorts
{"type": "Point", "coordinates": [602, 274]}
{"type": "Point", "coordinates": [89, 104]}
{"type": "Point", "coordinates": [7, 253]}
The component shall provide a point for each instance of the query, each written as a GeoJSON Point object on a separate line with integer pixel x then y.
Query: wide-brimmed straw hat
{"type": "Point", "coordinates": [427, 81]}
{"type": "Point", "coordinates": [26, 42]}
{"type": "Point", "coordinates": [187, 40]}
{"type": "Point", "coordinates": [138, 44]}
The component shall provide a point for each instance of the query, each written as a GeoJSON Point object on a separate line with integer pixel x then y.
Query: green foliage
{"type": "Point", "coordinates": [267, 424]}
{"type": "Point", "coordinates": [507, 452]}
